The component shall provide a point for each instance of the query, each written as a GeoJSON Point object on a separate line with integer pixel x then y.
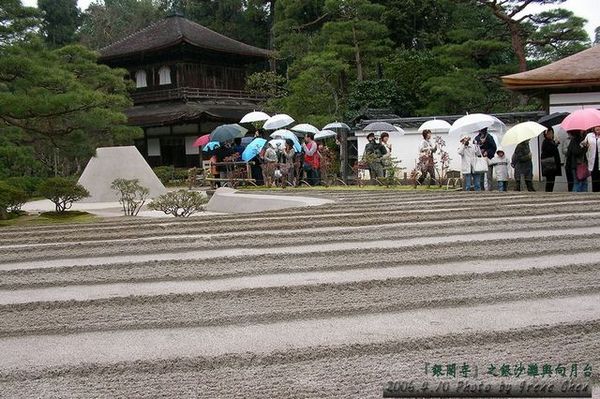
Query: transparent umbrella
{"type": "Point", "coordinates": [522, 132]}
{"type": "Point", "coordinates": [435, 126]}
{"type": "Point", "coordinates": [278, 121]}
{"type": "Point", "coordinates": [472, 123]}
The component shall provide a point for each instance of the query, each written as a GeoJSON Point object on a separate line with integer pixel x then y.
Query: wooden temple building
{"type": "Point", "coordinates": [188, 80]}
{"type": "Point", "coordinates": [565, 85]}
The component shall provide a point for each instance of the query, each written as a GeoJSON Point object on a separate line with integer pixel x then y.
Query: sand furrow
{"type": "Point", "coordinates": [152, 344]}
{"type": "Point", "coordinates": [277, 300]}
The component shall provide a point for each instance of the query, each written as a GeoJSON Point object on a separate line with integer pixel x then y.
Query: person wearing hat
{"type": "Point", "coordinates": [500, 165]}
{"type": "Point", "coordinates": [374, 152]}
{"type": "Point", "coordinates": [487, 146]}
{"type": "Point", "coordinates": [468, 154]}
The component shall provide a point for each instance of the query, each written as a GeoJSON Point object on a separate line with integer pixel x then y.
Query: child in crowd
{"type": "Point", "coordinates": [500, 164]}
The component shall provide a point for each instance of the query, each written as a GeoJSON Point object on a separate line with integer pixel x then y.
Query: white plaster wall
{"type": "Point", "coordinates": [406, 149]}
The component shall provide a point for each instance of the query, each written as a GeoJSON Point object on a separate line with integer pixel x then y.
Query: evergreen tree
{"type": "Point", "coordinates": [356, 33]}
{"type": "Point", "coordinates": [556, 34]}
{"type": "Point", "coordinates": [60, 21]}
{"type": "Point", "coordinates": [106, 22]}
{"type": "Point", "coordinates": [16, 21]}
{"type": "Point", "coordinates": [556, 28]}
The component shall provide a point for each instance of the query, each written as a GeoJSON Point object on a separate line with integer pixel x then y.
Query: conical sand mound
{"type": "Point", "coordinates": [111, 163]}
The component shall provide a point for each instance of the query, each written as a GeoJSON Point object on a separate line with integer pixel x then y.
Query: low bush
{"type": "Point", "coordinates": [132, 195]}
{"type": "Point", "coordinates": [180, 203]}
{"type": "Point", "coordinates": [62, 192]}
{"type": "Point", "coordinates": [169, 174]}
{"type": "Point", "coordinates": [11, 199]}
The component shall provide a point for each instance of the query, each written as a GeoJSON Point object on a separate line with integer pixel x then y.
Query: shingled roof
{"type": "Point", "coordinates": [581, 69]}
{"type": "Point", "coordinates": [174, 30]}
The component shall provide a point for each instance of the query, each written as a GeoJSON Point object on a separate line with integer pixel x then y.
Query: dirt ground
{"type": "Point", "coordinates": [330, 301]}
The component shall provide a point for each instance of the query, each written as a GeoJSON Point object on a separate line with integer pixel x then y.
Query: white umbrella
{"type": "Point", "coordinates": [305, 128]}
{"type": "Point", "coordinates": [472, 123]}
{"type": "Point", "coordinates": [254, 116]}
{"type": "Point", "coordinates": [436, 126]}
{"type": "Point", "coordinates": [323, 134]}
{"type": "Point", "coordinates": [399, 131]}
{"type": "Point", "coordinates": [277, 143]}
{"type": "Point", "coordinates": [380, 127]}
{"type": "Point", "coordinates": [522, 132]}
{"type": "Point", "coordinates": [336, 125]}
{"type": "Point", "coordinates": [284, 134]}
{"type": "Point", "coordinates": [278, 121]}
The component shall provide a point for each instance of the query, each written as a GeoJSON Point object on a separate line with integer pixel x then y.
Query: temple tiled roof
{"type": "Point", "coordinates": [174, 30]}
{"type": "Point", "coordinates": [577, 70]}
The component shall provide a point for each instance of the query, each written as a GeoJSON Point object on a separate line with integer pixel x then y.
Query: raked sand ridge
{"type": "Point", "coordinates": [330, 301]}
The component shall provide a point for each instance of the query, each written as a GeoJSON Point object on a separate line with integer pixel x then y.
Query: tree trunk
{"type": "Point", "coordinates": [518, 45]}
{"type": "Point", "coordinates": [359, 70]}
{"type": "Point", "coordinates": [271, 44]}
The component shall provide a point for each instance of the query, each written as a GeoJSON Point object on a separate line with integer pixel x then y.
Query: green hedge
{"type": "Point", "coordinates": [170, 174]}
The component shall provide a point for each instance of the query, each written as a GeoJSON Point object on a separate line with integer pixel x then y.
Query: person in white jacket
{"type": "Point", "coordinates": [501, 169]}
{"type": "Point", "coordinates": [468, 155]}
{"type": "Point", "coordinates": [592, 143]}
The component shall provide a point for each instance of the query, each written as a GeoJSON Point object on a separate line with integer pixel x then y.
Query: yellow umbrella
{"type": "Point", "coordinates": [522, 132]}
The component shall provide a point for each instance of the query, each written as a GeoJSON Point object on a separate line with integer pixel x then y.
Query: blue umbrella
{"type": "Point", "coordinates": [297, 147]}
{"type": "Point", "coordinates": [253, 149]}
{"type": "Point", "coordinates": [211, 146]}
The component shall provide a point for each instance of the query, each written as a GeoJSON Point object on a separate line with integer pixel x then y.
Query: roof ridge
{"type": "Point", "coordinates": [132, 34]}
{"type": "Point", "coordinates": [178, 25]}
{"type": "Point", "coordinates": [176, 29]}
{"type": "Point", "coordinates": [223, 36]}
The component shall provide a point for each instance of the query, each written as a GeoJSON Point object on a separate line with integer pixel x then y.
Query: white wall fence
{"type": "Point", "coordinates": [405, 148]}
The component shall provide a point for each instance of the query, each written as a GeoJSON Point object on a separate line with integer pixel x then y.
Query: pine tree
{"type": "Point", "coordinates": [60, 21]}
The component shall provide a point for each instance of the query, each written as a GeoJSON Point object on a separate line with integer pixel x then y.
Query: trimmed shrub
{"type": "Point", "coordinates": [164, 173]}
{"type": "Point", "coordinates": [62, 192]}
{"type": "Point", "coordinates": [168, 174]}
{"type": "Point", "coordinates": [11, 199]}
{"type": "Point", "coordinates": [132, 195]}
{"type": "Point", "coordinates": [29, 184]}
{"type": "Point", "coordinates": [180, 203]}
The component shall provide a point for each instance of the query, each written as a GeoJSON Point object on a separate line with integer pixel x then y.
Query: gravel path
{"type": "Point", "coordinates": [266, 306]}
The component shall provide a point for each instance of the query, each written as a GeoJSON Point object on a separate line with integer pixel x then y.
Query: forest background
{"type": "Point", "coordinates": [333, 59]}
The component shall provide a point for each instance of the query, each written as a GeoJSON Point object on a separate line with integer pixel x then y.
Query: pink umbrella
{"type": "Point", "coordinates": [201, 141]}
{"type": "Point", "coordinates": [582, 119]}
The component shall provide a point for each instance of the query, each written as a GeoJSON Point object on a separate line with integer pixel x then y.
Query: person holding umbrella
{"type": "Point", "coordinates": [225, 153]}
{"type": "Point", "coordinates": [487, 146]}
{"type": "Point", "coordinates": [427, 148]}
{"type": "Point", "coordinates": [564, 151]}
{"type": "Point", "coordinates": [592, 144]}
{"type": "Point", "coordinates": [576, 156]}
{"type": "Point", "coordinates": [521, 162]}
{"type": "Point", "coordinates": [311, 159]}
{"type": "Point", "coordinates": [468, 155]}
{"type": "Point", "coordinates": [550, 159]}
{"type": "Point", "coordinates": [374, 152]}
{"type": "Point", "coordinates": [289, 155]}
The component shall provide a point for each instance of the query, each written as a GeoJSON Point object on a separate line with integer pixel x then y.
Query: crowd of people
{"type": "Point", "coordinates": [580, 152]}
{"type": "Point", "coordinates": [483, 163]}
{"type": "Point", "coordinates": [278, 163]}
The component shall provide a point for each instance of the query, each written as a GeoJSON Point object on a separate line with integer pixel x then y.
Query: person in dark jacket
{"type": "Point", "coordinates": [521, 161]}
{"type": "Point", "coordinates": [576, 156]}
{"type": "Point", "coordinates": [487, 146]}
{"type": "Point", "coordinates": [550, 159]}
{"type": "Point", "coordinates": [225, 153]}
{"type": "Point", "coordinates": [374, 152]}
